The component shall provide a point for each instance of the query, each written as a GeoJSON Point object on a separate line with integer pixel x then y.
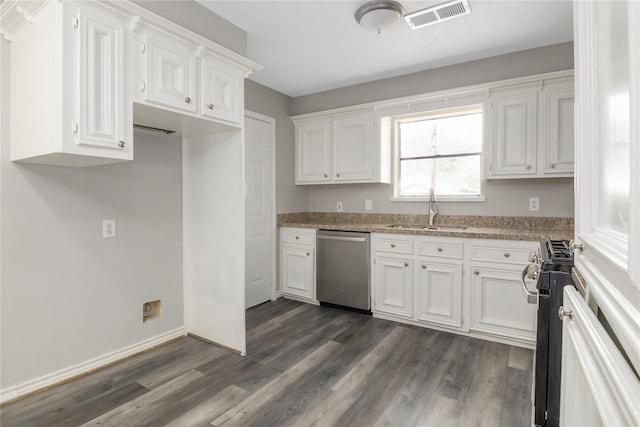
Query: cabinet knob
{"type": "Point", "coordinates": [439, 249]}
{"type": "Point", "coordinates": [121, 144]}
{"type": "Point", "coordinates": [576, 245]}
{"type": "Point", "coordinates": [308, 253]}
{"type": "Point", "coordinates": [406, 264]}
{"type": "Point", "coordinates": [187, 100]}
{"type": "Point", "coordinates": [424, 266]}
{"type": "Point", "coordinates": [211, 106]}
{"type": "Point", "coordinates": [297, 237]}
{"type": "Point", "coordinates": [507, 254]}
{"type": "Point", "coordinates": [528, 167]}
{"type": "Point", "coordinates": [562, 313]}
{"type": "Point", "coordinates": [393, 245]}
{"type": "Point", "coordinates": [476, 272]}
{"type": "Point", "coordinates": [326, 176]}
{"type": "Point", "coordinates": [338, 175]}
{"type": "Point", "coordinates": [552, 165]}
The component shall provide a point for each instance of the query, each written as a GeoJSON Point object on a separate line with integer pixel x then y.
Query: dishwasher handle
{"type": "Point", "coordinates": [342, 238]}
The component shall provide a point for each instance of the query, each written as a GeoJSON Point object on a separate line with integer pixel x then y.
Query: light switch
{"type": "Point", "coordinates": [368, 205]}
{"type": "Point", "coordinates": [108, 228]}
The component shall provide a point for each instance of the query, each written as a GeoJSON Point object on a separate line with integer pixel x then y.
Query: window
{"type": "Point", "coordinates": [440, 149]}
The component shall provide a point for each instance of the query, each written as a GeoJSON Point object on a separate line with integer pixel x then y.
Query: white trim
{"type": "Point", "coordinates": [57, 377]}
{"type": "Point", "coordinates": [274, 217]}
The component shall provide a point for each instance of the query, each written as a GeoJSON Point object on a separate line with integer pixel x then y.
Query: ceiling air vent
{"type": "Point", "coordinates": [439, 13]}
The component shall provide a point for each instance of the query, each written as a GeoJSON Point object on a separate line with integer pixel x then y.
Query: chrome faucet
{"type": "Point", "coordinates": [433, 207]}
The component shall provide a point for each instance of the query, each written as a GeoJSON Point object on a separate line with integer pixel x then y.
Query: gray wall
{"type": "Point", "coordinates": [68, 295]}
{"type": "Point", "coordinates": [504, 197]}
{"type": "Point", "coordinates": [261, 99]}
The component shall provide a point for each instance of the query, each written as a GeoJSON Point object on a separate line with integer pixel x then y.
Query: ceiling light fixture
{"type": "Point", "coordinates": [379, 16]}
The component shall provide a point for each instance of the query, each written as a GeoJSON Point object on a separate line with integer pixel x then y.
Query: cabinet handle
{"type": "Point", "coordinates": [121, 144]}
{"type": "Point", "coordinates": [562, 313]}
{"type": "Point", "coordinates": [553, 165]}
{"type": "Point", "coordinates": [406, 264]}
{"type": "Point", "coordinates": [211, 106]}
{"type": "Point", "coordinates": [143, 86]}
{"type": "Point", "coordinates": [476, 272]}
{"type": "Point", "coordinates": [187, 100]}
{"type": "Point", "coordinates": [393, 245]}
{"type": "Point", "coordinates": [575, 245]}
{"type": "Point", "coordinates": [74, 128]}
{"type": "Point", "coordinates": [439, 249]}
{"type": "Point", "coordinates": [424, 266]}
{"type": "Point", "coordinates": [507, 254]}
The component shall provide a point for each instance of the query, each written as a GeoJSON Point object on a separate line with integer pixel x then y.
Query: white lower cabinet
{"type": "Point", "coordinates": [394, 286]}
{"type": "Point", "coordinates": [298, 263]}
{"type": "Point", "coordinates": [439, 292]}
{"type": "Point", "coordinates": [498, 305]}
{"type": "Point", "coordinates": [424, 281]}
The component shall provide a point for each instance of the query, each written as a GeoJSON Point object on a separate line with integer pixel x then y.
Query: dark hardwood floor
{"type": "Point", "coordinates": [305, 365]}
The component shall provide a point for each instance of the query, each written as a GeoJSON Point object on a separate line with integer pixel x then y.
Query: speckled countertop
{"type": "Point", "coordinates": [475, 227]}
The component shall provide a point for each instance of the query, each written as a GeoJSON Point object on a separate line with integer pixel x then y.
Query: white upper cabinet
{"type": "Point", "coordinates": [355, 147]}
{"type": "Point", "coordinates": [340, 148]}
{"type": "Point", "coordinates": [81, 103]}
{"type": "Point", "coordinates": [511, 129]}
{"type": "Point", "coordinates": [170, 73]}
{"type": "Point", "coordinates": [220, 87]}
{"type": "Point", "coordinates": [313, 151]}
{"type": "Point", "coordinates": [528, 129]}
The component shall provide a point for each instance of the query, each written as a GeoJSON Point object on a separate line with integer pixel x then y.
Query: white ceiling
{"type": "Point", "coordinates": [313, 46]}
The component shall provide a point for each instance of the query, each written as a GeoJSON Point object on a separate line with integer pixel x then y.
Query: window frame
{"type": "Point", "coordinates": [433, 113]}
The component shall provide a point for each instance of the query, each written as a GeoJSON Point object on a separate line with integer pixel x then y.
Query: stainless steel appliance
{"type": "Point", "coordinates": [551, 269]}
{"type": "Point", "coordinates": [343, 269]}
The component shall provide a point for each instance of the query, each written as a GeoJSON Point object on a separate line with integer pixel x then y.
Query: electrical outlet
{"type": "Point", "coordinates": [368, 205]}
{"type": "Point", "coordinates": [108, 228]}
{"type": "Point", "coordinates": [534, 204]}
{"type": "Point", "coordinates": [339, 207]}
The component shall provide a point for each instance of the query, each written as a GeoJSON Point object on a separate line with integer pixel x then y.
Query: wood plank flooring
{"type": "Point", "coordinates": [305, 366]}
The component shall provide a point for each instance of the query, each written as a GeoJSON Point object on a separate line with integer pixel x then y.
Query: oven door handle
{"type": "Point", "coordinates": [532, 297]}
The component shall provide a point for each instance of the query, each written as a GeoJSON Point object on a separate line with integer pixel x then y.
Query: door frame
{"type": "Point", "coordinates": [274, 219]}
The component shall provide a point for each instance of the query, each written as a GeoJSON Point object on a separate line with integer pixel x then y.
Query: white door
{"type": "Point", "coordinates": [598, 384]}
{"type": "Point", "coordinates": [259, 212]}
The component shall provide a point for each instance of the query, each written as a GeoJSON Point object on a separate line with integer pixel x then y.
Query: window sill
{"type": "Point", "coordinates": [441, 199]}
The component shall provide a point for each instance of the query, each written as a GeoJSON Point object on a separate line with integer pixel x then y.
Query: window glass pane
{"type": "Point", "coordinates": [458, 176]}
{"type": "Point", "coordinates": [444, 135]}
{"type": "Point", "coordinates": [415, 177]}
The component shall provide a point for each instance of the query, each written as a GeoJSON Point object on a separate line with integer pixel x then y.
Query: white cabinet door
{"type": "Point", "coordinates": [220, 86]}
{"type": "Point", "coordinates": [354, 147]}
{"type": "Point", "coordinates": [498, 305]}
{"type": "Point", "coordinates": [439, 292]}
{"type": "Point", "coordinates": [558, 138]}
{"type": "Point", "coordinates": [298, 273]}
{"type": "Point", "coordinates": [599, 388]}
{"type": "Point", "coordinates": [170, 71]}
{"type": "Point", "coordinates": [313, 151]}
{"type": "Point", "coordinates": [511, 128]}
{"type": "Point", "coordinates": [103, 118]}
{"type": "Point", "coordinates": [608, 164]}
{"type": "Point", "coordinates": [394, 286]}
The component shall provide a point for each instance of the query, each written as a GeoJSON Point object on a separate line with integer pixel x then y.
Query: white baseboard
{"type": "Point", "coordinates": [15, 391]}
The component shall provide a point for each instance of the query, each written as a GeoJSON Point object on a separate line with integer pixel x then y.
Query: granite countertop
{"type": "Point", "coordinates": [475, 227]}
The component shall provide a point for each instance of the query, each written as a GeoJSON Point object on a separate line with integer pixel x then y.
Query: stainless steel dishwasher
{"type": "Point", "coordinates": [343, 268]}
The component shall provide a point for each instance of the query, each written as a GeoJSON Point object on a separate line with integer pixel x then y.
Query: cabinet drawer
{"type": "Point", "coordinates": [439, 249]}
{"type": "Point", "coordinates": [300, 236]}
{"type": "Point", "coordinates": [398, 245]}
{"type": "Point", "coordinates": [506, 254]}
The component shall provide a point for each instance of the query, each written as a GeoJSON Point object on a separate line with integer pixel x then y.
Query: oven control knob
{"type": "Point", "coordinates": [533, 256]}
{"type": "Point", "coordinates": [532, 271]}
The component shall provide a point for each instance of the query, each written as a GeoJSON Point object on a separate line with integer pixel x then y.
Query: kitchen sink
{"type": "Point", "coordinates": [426, 227]}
